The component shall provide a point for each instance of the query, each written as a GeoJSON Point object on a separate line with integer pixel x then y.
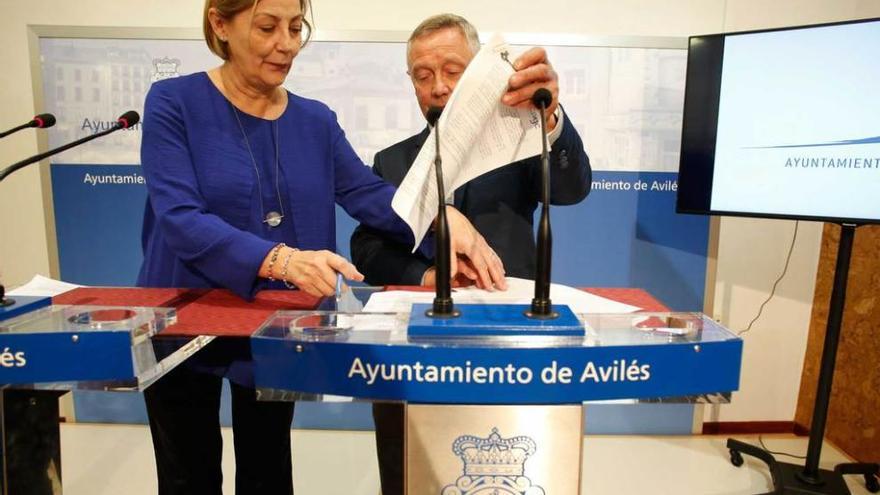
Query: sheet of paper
{"type": "Point", "coordinates": [371, 322]}
{"type": "Point", "coordinates": [41, 286]}
{"type": "Point", "coordinates": [520, 291]}
{"type": "Point", "coordinates": [478, 134]}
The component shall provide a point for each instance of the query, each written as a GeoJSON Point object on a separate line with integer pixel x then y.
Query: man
{"type": "Point", "coordinates": [500, 204]}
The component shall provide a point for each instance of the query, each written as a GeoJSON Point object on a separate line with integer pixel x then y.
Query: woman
{"type": "Point", "coordinates": [243, 178]}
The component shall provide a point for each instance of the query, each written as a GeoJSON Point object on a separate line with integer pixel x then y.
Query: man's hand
{"type": "Point", "coordinates": [476, 261]}
{"type": "Point", "coordinates": [533, 71]}
{"type": "Point", "coordinates": [429, 279]}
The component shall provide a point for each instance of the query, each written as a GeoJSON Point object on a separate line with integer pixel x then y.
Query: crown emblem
{"type": "Point", "coordinates": [493, 456]}
{"type": "Point", "coordinates": [493, 463]}
{"type": "Point", "coordinates": [165, 68]}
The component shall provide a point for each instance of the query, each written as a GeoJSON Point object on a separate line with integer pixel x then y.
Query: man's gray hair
{"type": "Point", "coordinates": [445, 21]}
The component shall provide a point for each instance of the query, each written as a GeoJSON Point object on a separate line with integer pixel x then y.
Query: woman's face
{"type": "Point", "coordinates": [264, 41]}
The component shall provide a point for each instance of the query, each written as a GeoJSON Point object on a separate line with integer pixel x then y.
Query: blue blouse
{"type": "Point", "coordinates": [203, 223]}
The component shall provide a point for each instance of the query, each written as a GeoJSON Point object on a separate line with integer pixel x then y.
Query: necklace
{"type": "Point", "coordinates": [273, 218]}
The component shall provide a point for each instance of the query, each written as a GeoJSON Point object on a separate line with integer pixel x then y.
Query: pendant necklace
{"type": "Point", "coordinates": [273, 218]}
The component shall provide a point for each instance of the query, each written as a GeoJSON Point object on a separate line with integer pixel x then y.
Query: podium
{"type": "Point", "coordinates": [102, 339]}
{"type": "Point", "coordinates": [493, 414]}
{"type": "Point", "coordinates": [54, 349]}
{"type": "Point", "coordinates": [482, 414]}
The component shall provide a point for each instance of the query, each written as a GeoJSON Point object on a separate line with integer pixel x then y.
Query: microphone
{"type": "Point", "coordinates": [124, 121]}
{"type": "Point", "coordinates": [42, 121]}
{"type": "Point", "coordinates": [443, 306]}
{"type": "Point", "coordinates": [128, 119]}
{"type": "Point", "coordinates": [433, 115]}
{"type": "Point", "coordinates": [542, 307]}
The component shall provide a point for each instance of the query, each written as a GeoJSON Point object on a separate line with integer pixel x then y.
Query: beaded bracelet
{"type": "Point", "coordinates": [284, 270]}
{"type": "Point", "coordinates": [274, 258]}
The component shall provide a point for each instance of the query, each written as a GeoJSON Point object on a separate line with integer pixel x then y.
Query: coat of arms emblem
{"type": "Point", "coordinates": [165, 68]}
{"type": "Point", "coordinates": [493, 466]}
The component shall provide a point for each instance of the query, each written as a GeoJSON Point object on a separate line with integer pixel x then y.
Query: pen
{"type": "Point", "coordinates": [338, 286]}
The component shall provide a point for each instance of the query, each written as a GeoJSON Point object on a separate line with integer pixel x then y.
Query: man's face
{"type": "Point", "coordinates": [436, 62]}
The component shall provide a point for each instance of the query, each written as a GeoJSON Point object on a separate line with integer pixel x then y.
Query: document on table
{"type": "Point", "coordinates": [520, 291]}
{"type": "Point", "coordinates": [41, 286]}
{"type": "Point", "coordinates": [478, 134]}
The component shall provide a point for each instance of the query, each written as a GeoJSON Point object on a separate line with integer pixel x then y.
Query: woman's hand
{"type": "Point", "coordinates": [476, 260]}
{"type": "Point", "coordinates": [311, 271]}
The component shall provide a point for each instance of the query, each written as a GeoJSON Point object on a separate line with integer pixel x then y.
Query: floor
{"type": "Point", "coordinates": [116, 459]}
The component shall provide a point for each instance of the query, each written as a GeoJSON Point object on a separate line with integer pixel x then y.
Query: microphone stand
{"type": "Point", "coordinates": [4, 301]}
{"type": "Point", "coordinates": [494, 319]}
{"type": "Point", "coordinates": [42, 121]}
{"type": "Point", "coordinates": [127, 120]}
{"type": "Point", "coordinates": [16, 129]}
{"type": "Point", "coordinates": [542, 307]}
{"type": "Point", "coordinates": [24, 163]}
{"type": "Point", "coordinates": [443, 306]}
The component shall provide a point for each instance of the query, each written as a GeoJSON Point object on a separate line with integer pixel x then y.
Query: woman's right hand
{"type": "Point", "coordinates": [311, 271]}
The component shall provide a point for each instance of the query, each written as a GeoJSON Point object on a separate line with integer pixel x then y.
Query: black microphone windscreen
{"type": "Point", "coordinates": [433, 114]}
{"type": "Point", "coordinates": [542, 98]}
{"type": "Point", "coordinates": [128, 119]}
{"type": "Point", "coordinates": [44, 120]}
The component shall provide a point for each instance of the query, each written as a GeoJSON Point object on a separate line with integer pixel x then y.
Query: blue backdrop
{"type": "Point", "coordinates": [613, 239]}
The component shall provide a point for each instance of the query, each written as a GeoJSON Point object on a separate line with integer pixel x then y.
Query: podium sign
{"type": "Point", "coordinates": [66, 347]}
{"type": "Point", "coordinates": [370, 356]}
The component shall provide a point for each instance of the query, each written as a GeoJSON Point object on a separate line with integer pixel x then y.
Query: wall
{"type": "Point", "coordinates": [751, 251]}
{"type": "Point", "coordinates": [853, 422]}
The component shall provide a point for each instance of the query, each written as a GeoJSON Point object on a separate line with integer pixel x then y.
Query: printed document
{"type": "Point", "coordinates": [41, 286]}
{"type": "Point", "coordinates": [478, 134]}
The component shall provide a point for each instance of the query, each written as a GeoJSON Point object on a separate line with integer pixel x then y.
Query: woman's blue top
{"type": "Point", "coordinates": [203, 222]}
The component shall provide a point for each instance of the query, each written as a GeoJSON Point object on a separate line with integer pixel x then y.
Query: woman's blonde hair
{"type": "Point", "coordinates": [229, 9]}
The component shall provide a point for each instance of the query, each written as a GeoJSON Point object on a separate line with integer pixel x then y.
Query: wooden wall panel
{"type": "Point", "coordinates": [854, 414]}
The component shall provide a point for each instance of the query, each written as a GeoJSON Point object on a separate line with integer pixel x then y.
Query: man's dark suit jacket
{"type": "Point", "coordinates": [500, 204]}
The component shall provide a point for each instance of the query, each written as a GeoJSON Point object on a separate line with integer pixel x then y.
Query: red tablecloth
{"type": "Point", "coordinates": [199, 311]}
{"type": "Point", "coordinates": [633, 297]}
{"type": "Point", "coordinates": [221, 313]}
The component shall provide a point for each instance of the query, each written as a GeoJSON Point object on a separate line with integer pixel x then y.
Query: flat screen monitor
{"type": "Point", "coordinates": [784, 123]}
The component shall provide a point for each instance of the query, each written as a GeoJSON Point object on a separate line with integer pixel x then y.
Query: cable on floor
{"type": "Point", "coordinates": [761, 441]}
